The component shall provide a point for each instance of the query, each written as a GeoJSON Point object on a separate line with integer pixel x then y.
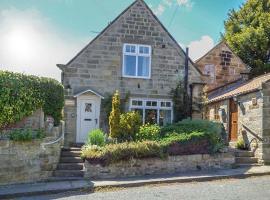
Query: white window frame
{"type": "Point", "coordinates": [158, 107]}
{"type": "Point", "coordinates": [137, 54]}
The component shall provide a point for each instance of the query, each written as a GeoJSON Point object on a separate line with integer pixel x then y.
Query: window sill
{"type": "Point", "coordinates": [136, 77]}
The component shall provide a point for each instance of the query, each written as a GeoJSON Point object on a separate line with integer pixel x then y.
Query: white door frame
{"type": "Point", "coordinates": [81, 98]}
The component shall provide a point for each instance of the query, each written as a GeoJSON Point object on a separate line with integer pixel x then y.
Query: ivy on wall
{"type": "Point", "coordinates": [21, 95]}
{"type": "Point", "coordinates": [181, 103]}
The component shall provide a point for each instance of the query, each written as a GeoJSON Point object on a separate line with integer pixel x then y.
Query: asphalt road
{"type": "Point", "coordinates": [231, 189]}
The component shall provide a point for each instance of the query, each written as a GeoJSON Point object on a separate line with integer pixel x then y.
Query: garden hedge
{"type": "Point", "coordinates": [21, 95]}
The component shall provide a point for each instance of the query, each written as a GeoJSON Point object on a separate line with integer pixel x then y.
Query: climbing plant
{"type": "Point", "coordinates": [21, 95]}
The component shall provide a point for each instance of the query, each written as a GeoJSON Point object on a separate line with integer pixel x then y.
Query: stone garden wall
{"type": "Point", "coordinates": [35, 121]}
{"type": "Point", "coordinates": [23, 162]}
{"type": "Point", "coordinates": [153, 166]}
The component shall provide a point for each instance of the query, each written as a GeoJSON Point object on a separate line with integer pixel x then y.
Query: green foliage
{"type": "Point", "coordinates": [26, 135]}
{"type": "Point", "coordinates": [212, 130]}
{"type": "Point", "coordinates": [181, 103]}
{"type": "Point", "coordinates": [148, 132]}
{"type": "Point", "coordinates": [106, 105]}
{"type": "Point", "coordinates": [123, 151]}
{"type": "Point", "coordinates": [247, 31]}
{"type": "Point", "coordinates": [21, 95]}
{"type": "Point", "coordinates": [241, 144]}
{"type": "Point", "coordinates": [53, 97]}
{"type": "Point", "coordinates": [183, 138]}
{"type": "Point", "coordinates": [114, 119]}
{"type": "Point", "coordinates": [96, 137]}
{"type": "Point", "coordinates": [130, 123]}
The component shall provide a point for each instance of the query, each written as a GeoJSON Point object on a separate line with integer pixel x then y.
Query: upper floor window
{"type": "Point", "coordinates": [136, 61]}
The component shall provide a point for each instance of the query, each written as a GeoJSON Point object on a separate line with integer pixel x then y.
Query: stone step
{"type": "Point", "coordinates": [71, 149]}
{"type": "Point", "coordinates": [246, 160]}
{"type": "Point", "coordinates": [249, 165]}
{"type": "Point", "coordinates": [77, 145]}
{"type": "Point", "coordinates": [68, 173]}
{"type": "Point", "coordinates": [70, 153]}
{"type": "Point", "coordinates": [70, 166]}
{"type": "Point", "coordinates": [244, 154]}
{"type": "Point", "coordinates": [71, 160]}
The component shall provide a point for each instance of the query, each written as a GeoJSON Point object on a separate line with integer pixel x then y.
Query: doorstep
{"type": "Point", "coordinates": [54, 187]}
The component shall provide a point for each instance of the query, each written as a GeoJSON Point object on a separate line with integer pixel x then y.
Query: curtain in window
{"type": "Point", "coordinates": [143, 66]}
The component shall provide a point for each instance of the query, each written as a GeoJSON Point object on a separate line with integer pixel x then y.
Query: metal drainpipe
{"type": "Point", "coordinates": [191, 100]}
{"type": "Point", "coordinates": [186, 71]}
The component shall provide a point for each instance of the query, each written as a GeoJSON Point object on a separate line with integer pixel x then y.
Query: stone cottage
{"type": "Point", "coordinates": [220, 66]}
{"type": "Point", "coordinates": [242, 105]}
{"type": "Point", "coordinates": [134, 54]}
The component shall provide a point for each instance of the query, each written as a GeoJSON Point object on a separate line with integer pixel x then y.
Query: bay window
{"type": "Point", "coordinates": [153, 111]}
{"type": "Point", "coordinates": [136, 61]}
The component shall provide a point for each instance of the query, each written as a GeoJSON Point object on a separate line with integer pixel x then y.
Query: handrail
{"type": "Point", "coordinates": [251, 131]}
{"type": "Point", "coordinates": [62, 137]}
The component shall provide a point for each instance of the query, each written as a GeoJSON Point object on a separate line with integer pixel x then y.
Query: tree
{"type": "Point", "coordinates": [114, 119]}
{"type": "Point", "coordinates": [247, 32]}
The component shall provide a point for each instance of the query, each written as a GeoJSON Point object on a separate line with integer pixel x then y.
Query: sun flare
{"type": "Point", "coordinates": [22, 43]}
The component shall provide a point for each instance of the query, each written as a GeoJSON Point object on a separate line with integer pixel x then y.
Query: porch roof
{"type": "Point", "coordinates": [88, 90]}
{"type": "Point", "coordinates": [239, 88]}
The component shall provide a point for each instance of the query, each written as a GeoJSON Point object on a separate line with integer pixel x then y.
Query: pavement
{"type": "Point", "coordinates": [55, 187]}
{"type": "Point", "coordinates": [251, 188]}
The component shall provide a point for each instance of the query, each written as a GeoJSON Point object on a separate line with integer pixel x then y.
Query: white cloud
{"type": "Point", "coordinates": [185, 3]}
{"type": "Point", "coordinates": [159, 10]}
{"type": "Point", "coordinates": [164, 4]}
{"type": "Point", "coordinates": [200, 47]}
{"type": "Point", "coordinates": [30, 44]}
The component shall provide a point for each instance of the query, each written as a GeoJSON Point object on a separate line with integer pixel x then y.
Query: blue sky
{"type": "Point", "coordinates": [37, 34]}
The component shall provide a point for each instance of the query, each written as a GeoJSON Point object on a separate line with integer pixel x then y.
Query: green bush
{"type": "Point", "coordinates": [112, 153]}
{"type": "Point", "coordinates": [96, 137]}
{"type": "Point", "coordinates": [241, 144]}
{"type": "Point", "coordinates": [148, 132]}
{"type": "Point", "coordinates": [26, 135]}
{"type": "Point", "coordinates": [21, 95]}
{"type": "Point", "coordinates": [130, 123]}
{"type": "Point", "coordinates": [212, 130]}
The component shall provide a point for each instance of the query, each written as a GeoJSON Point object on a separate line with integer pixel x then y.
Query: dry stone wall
{"type": "Point", "coordinates": [23, 162]}
{"type": "Point", "coordinates": [153, 166]}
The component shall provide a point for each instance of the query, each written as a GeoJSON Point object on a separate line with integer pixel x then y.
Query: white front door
{"type": "Point", "coordinates": [88, 118]}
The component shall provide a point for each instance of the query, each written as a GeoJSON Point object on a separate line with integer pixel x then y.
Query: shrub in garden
{"type": "Point", "coordinates": [122, 151]}
{"type": "Point", "coordinates": [130, 123]}
{"type": "Point", "coordinates": [26, 135]}
{"type": "Point", "coordinates": [96, 137]}
{"type": "Point", "coordinates": [148, 132]}
{"type": "Point", "coordinates": [213, 131]}
{"type": "Point", "coordinates": [21, 95]}
{"type": "Point", "coordinates": [241, 144]}
{"type": "Point", "coordinates": [114, 118]}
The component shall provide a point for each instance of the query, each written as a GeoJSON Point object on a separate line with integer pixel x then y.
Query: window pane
{"type": "Point", "coordinates": [130, 49]}
{"type": "Point", "coordinates": [151, 116]}
{"type": "Point", "coordinates": [165, 117]}
{"type": "Point", "coordinates": [143, 66]}
{"type": "Point", "coordinates": [151, 103]}
{"type": "Point", "coordinates": [130, 65]}
{"type": "Point", "coordinates": [144, 50]}
{"type": "Point", "coordinates": [165, 104]}
{"type": "Point", "coordinates": [137, 103]}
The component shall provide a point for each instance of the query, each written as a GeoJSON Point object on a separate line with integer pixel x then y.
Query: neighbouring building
{"type": "Point", "coordinates": [221, 66]}
{"type": "Point", "coordinates": [136, 55]}
{"type": "Point", "coordinates": [240, 104]}
{"type": "Point", "coordinates": [244, 109]}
